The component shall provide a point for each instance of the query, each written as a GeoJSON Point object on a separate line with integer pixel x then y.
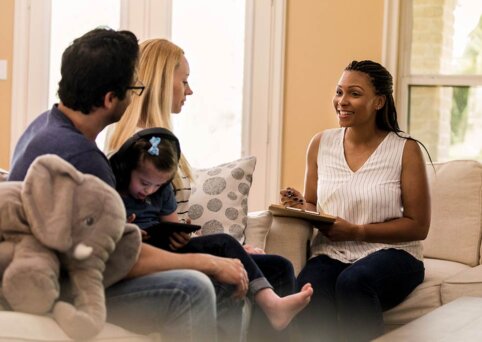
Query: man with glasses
{"type": "Point", "coordinates": [164, 291]}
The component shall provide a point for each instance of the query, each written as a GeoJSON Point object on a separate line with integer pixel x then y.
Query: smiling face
{"type": "Point", "coordinates": [355, 100]}
{"type": "Point", "coordinates": [181, 87]}
{"type": "Point", "coordinates": [146, 179]}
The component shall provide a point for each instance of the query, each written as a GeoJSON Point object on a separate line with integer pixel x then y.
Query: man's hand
{"type": "Point", "coordinates": [230, 271]}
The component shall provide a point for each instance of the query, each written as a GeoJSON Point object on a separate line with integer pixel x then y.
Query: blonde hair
{"type": "Point", "coordinates": [158, 60]}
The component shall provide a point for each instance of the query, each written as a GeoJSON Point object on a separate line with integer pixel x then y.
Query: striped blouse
{"type": "Point", "coordinates": [183, 194]}
{"type": "Point", "coordinates": [369, 195]}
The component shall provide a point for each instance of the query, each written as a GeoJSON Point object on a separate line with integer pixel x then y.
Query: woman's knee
{"type": "Point", "coordinates": [352, 280]}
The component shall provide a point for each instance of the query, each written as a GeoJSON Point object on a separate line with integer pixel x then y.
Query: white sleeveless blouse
{"type": "Point", "coordinates": [369, 195]}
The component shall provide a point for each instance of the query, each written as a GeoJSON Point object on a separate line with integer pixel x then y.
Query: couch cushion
{"type": "Point", "coordinates": [219, 197]}
{"type": "Point", "coordinates": [17, 326]}
{"type": "Point", "coordinates": [426, 296]}
{"type": "Point", "coordinates": [465, 283]}
{"type": "Point", "coordinates": [456, 194]}
{"type": "Point", "coordinates": [259, 224]}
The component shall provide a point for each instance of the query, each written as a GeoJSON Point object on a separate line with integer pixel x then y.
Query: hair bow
{"type": "Point", "coordinates": [154, 150]}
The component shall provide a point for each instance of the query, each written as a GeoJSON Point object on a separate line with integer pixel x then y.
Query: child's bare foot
{"type": "Point", "coordinates": [281, 311]}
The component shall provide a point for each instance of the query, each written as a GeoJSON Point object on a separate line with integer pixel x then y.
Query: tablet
{"type": "Point", "coordinates": [311, 216]}
{"type": "Point", "coordinates": [159, 233]}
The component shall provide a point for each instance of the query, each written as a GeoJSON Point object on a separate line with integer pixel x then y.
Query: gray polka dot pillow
{"type": "Point", "coordinates": [219, 198]}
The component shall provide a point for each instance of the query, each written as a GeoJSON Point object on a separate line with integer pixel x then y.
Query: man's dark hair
{"type": "Point", "coordinates": [100, 61]}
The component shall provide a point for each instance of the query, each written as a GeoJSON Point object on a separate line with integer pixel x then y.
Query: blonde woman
{"type": "Point", "coordinates": [164, 70]}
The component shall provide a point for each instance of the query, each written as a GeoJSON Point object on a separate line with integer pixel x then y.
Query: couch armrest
{"type": "Point", "coordinates": [289, 237]}
{"type": "Point", "coordinates": [465, 283]}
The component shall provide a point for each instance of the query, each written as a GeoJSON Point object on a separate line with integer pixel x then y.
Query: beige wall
{"type": "Point", "coordinates": [322, 37]}
{"type": "Point", "coordinates": [6, 53]}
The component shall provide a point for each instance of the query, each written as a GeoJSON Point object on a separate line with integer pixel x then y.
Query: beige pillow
{"type": "Point", "coordinates": [259, 224]}
{"type": "Point", "coordinates": [456, 196]}
{"type": "Point", "coordinates": [219, 198]}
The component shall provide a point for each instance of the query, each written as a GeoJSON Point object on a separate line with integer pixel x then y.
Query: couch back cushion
{"type": "Point", "coordinates": [456, 227]}
{"type": "Point", "coordinates": [219, 197]}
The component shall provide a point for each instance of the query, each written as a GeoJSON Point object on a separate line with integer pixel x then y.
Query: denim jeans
{"type": "Point", "coordinates": [225, 245]}
{"type": "Point", "coordinates": [349, 299]}
{"type": "Point", "coordinates": [180, 304]}
{"type": "Point", "coordinates": [230, 314]}
{"type": "Point", "coordinates": [263, 270]}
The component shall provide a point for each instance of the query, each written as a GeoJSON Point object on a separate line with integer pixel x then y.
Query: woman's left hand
{"type": "Point", "coordinates": [178, 240]}
{"type": "Point", "coordinates": [342, 230]}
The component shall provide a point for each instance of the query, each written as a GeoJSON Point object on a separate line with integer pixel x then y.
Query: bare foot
{"type": "Point", "coordinates": [281, 311]}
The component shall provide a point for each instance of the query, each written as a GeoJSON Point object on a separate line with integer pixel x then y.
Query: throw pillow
{"type": "Point", "coordinates": [219, 197]}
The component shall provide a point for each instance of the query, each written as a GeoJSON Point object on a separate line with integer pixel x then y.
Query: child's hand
{"type": "Point", "coordinates": [131, 218]}
{"type": "Point", "coordinates": [144, 235]}
{"type": "Point", "coordinates": [178, 240]}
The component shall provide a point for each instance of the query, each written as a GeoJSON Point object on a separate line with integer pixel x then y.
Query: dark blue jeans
{"type": "Point", "coordinates": [277, 271]}
{"type": "Point", "coordinates": [264, 268]}
{"type": "Point", "coordinates": [349, 299]}
{"type": "Point", "coordinates": [225, 245]}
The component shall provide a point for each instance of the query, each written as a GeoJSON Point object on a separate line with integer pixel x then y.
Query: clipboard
{"type": "Point", "coordinates": [311, 216]}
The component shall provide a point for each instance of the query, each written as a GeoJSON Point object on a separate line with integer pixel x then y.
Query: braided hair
{"type": "Point", "coordinates": [382, 81]}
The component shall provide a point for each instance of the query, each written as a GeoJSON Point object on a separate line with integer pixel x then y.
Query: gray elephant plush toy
{"type": "Point", "coordinates": [59, 219]}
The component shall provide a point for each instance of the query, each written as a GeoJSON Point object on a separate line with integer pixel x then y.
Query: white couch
{"type": "Point", "coordinates": [452, 255]}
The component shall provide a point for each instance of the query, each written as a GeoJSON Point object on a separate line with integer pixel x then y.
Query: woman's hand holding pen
{"type": "Point", "coordinates": [291, 197]}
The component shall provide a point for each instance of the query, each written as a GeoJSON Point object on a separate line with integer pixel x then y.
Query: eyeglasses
{"type": "Point", "coordinates": [137, 89]}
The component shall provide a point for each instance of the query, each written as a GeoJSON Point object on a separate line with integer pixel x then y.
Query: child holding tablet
{"type": "Point", "coordinates": [144, 167]}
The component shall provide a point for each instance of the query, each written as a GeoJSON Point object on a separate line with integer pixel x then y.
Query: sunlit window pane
{"type": "Point", "coordinates": [69, 20]}
{"type": "Point", "coordinates": [448, 120]}
{"type": "Point", "coordinates": [447, 37]}
{"type": "Point", "coordinates": [211, 32]}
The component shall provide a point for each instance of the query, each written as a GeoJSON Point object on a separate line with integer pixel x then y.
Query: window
{"type": "Point", "coordinates": [210, 125]}
{"type": "Point", "coordinates": [250, 40]}
{"type": "Point", "coordinates": [440, 88]}
{"type": "Point", "coordinates": [71, 19]}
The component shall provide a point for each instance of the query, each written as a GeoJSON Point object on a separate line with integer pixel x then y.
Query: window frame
{"type": "Point", "coordinates": [263, 86]}
{"type": "Point", "coordinates": [405, 80]}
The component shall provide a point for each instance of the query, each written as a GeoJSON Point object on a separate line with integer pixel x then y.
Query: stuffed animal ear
{"type": "Point", "coordinates": [47, 196]}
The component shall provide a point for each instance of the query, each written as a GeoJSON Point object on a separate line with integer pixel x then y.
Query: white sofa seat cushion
{"type": "Point", "coordinates": [426, 296]}
{"type": "Point", "coordinates": [455, 230]}
{"type": "Point", "coordinates": [17, 326]}
{"type": "Point", "coordinates": [259, 224]}
{"type": "Point", "coordinates": [465, 283]}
